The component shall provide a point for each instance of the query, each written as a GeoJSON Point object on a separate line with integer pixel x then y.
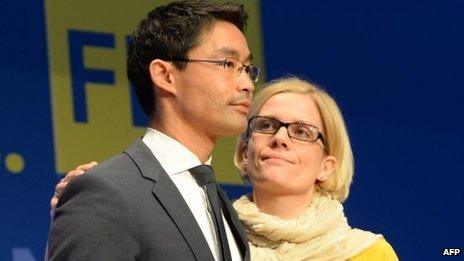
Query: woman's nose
{"type": "Point", "coordinates": [280, 138]}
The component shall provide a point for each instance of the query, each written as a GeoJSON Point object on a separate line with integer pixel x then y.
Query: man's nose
{"type": "Point", "coordinates": [245, 83]}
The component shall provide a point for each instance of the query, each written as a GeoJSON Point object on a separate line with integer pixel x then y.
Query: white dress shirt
{"type": "Point", "coordinates": [176, 160]}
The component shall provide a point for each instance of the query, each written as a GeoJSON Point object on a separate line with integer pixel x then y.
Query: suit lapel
{"type": "Point", "coordinates": [236, 225]}
{"type": "Point", "coordinates": [170, 198]}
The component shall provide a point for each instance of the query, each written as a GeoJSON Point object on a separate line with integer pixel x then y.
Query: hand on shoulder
{"type": "Point", "coordinates": [59, 188]}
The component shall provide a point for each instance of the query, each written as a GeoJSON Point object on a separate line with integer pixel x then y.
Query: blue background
{"type": "Point", "coordinates": [395, 67]}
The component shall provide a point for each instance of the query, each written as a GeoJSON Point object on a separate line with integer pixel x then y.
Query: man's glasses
{"type": "Point", "coordinates": [297, 130]}
{"type": "Point", "coordinates": [230, 65]}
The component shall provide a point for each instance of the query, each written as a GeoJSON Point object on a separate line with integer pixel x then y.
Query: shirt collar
{"type": "Point", "coordinates": [173, 156]}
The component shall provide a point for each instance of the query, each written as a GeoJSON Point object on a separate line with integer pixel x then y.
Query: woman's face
{"type": "Point", "coordinates": [283, 165]}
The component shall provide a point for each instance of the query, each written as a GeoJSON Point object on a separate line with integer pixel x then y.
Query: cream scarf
{"type": "Point", "coordinates": [319, 233]}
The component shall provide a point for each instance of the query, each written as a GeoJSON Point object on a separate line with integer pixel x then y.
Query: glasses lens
{"type": "Point", "coordinates": [232, 65]}
{"type": "Point", "coordinates": [264, 125]}
{"type": "Point", "coordinates": [303, 131]}
{"type": "Point", "coordinates": [236, 66]}
{"type": "Point", "coordinates": [253, 72]}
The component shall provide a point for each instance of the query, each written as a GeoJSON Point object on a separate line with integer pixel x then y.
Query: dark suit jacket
{"type": "Point", "coordinates": [127, 208]}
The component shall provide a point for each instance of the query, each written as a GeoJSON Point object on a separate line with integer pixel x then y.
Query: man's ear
{"type": "Point", "coordinates": [161, 74]}
{"type": "Point", "coordinates": [329, 164]}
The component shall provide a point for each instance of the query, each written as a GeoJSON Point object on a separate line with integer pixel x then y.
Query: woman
{"type": "Point", "coordinates": [297, 156]}
{"type": "Point", "coordinates": [300, 175]}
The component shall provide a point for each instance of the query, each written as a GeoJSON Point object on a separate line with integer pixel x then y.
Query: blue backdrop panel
{"type": "Point", "coordinates": [395, 67]}
{"type": "Point", "coordinates": [26, 130]}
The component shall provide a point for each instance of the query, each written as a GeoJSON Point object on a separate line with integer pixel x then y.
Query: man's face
{"type": "Point", "coordinates": [212, 99]}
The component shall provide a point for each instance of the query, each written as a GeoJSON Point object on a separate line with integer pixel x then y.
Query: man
{"type": "Point", "coordinates": [190, 64]}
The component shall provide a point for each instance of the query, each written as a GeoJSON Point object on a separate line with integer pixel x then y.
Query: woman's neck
{"type": "Point", "coordinates": [283, 206]}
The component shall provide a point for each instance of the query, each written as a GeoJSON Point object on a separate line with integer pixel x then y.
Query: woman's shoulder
{"type": "Point", "coordinates": [380, 250]}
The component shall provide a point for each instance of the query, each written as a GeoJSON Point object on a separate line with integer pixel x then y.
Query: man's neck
{"type": "Point", "coordinates": [283, 206]}
{"type": "Point", "coordinates": [194, 140]}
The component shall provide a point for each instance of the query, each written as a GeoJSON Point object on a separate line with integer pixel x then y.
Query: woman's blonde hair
{"type": "Point", "coordinates": [335, 133]}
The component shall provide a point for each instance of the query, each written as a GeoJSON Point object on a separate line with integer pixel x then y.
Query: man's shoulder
{"type": "Point", "coordinates": [118, 169]}
{"type": "Point", "coordinates": [110, 172]}
{"type": "Point", "coordinates": [114, 164]}
{"type": "Point", "coordinates": [124, 162]}
{"type": "Point", "coordinates": [110, 166]}
{"type": "Point", "coordinates": [118, 175]}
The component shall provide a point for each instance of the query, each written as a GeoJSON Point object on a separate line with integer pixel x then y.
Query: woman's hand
{"type": "Point", "coordinates": [59, 188]}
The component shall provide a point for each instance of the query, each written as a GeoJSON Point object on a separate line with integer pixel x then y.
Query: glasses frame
{"type": "Point", "coordinates": [248, 68]}
{"type": "Point", "coordinates": [319, 136]}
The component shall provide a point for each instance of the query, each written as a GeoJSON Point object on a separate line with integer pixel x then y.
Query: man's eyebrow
{"type": "Point", "coordinates": [226, 51]}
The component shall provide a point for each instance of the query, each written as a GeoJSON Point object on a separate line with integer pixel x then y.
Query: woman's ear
{"type": "Point", "coordinates": [328, 166]}
{"type": "Point", "coordinates": [161, 74]}
{"type": "Point", "coordinates": [243, 151]}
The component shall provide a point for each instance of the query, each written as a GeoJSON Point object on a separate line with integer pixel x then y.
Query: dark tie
{"type": "Point", "coordinates": [204, 176]}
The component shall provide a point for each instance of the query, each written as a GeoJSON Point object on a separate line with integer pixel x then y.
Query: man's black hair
{"type": "Point", "coordinates": [171, 31]}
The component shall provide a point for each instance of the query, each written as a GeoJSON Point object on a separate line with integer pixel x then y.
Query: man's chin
{"type": "Point", "coordinates": [234, 127]}
{"type": "Point", "coordinates": [240, 125]}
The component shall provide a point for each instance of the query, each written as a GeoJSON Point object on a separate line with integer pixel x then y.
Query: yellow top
{"type": "Point", "coordinates": [381, 251]}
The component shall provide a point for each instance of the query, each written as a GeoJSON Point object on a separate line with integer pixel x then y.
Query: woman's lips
{"type": "Point", "coordinates": [275, 158]}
